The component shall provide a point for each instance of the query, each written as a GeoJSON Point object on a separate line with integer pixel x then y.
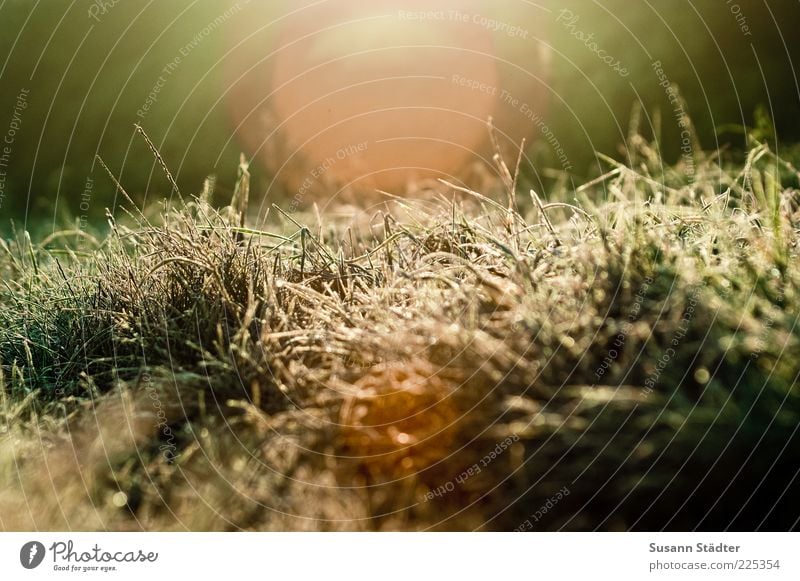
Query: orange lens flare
{"type": "Point", "coordinates": [356, 95]}
{"type": "Point", "coordinates": [402, 419]}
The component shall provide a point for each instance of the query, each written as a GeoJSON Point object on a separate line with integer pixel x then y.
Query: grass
{"type": "Point", "coordinates": [627, 360]}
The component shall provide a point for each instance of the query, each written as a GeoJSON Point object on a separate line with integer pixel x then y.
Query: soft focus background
{"type": "Point", "coordinates": [86, 69]}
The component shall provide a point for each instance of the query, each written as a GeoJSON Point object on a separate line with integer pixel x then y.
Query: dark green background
{"type": "Point", "coordinates": [87, 80]}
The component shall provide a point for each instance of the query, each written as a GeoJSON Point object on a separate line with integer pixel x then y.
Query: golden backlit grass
{"type": "Point", "coordinates": [446, 365]}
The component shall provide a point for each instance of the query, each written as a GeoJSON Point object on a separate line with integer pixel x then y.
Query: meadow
{"type": "Point", "coordinates": [622, 355]}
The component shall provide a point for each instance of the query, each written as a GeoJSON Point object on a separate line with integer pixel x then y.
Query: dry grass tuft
{"type": "Point", "coordinates": [446, 366]}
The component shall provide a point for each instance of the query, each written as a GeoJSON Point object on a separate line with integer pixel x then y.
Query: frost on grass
{"type": "Point", "coordinates": [635, 344]}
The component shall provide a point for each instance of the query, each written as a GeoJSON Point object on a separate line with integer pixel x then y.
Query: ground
{"type": "Point", "coordinates": [621, 355]}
